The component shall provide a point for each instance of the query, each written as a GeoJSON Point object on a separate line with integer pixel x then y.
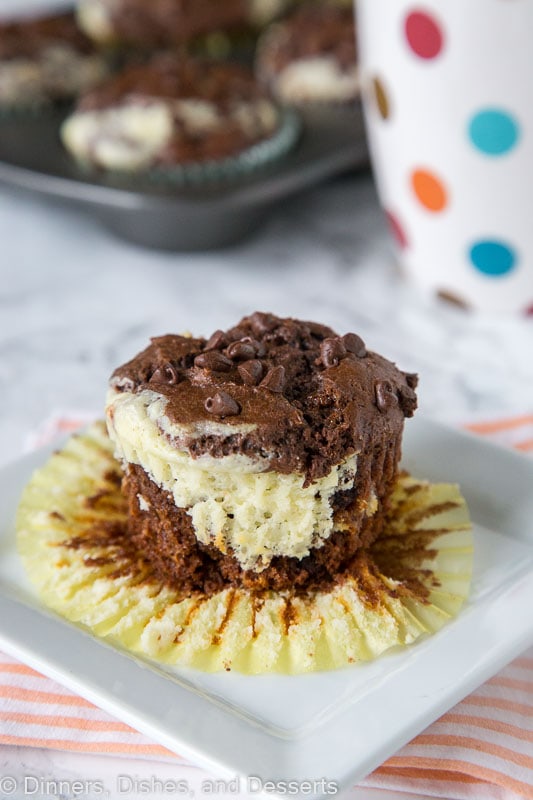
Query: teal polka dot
{"type": "Point", "coordinates": [493, 131]}
{"type": "Point", "coordinates": [492, 258]}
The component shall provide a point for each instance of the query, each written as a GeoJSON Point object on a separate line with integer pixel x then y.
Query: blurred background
{"type": "Point", "coordinates": [76, 300]}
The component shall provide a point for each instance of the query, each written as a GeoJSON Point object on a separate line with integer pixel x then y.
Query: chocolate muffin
{"type": "Point", "coordinates": [310, 56]}
{"type": "Point", "coordinates": [164, 23]}
{"type": "Point", "coordinates": [176, 111]}
{"type": "Point", "coordinates": [46, 59]}
{"type": "Point", "coordinates": [262, 458]}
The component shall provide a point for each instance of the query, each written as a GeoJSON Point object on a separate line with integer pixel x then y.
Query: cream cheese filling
{"type": "Point", "coordinates": [94, 19]}
{"type": "Point", "coordinates": [235, 502]}
{"type": "Point", "coordinates": [131, 136]}
{"type": "Point", "coordinates": [318, 78]}
{"type": "Point", "coordinates": [261, 12]}
{"type": "Point", "coordinates": [126, 138]}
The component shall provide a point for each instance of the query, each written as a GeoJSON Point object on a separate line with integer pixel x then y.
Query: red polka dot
{"type": "Point", "coordinates": [529, 311]}
{"type": "Point", "coordinates": [396, 229]}
{"type": "Point", "coordinates": [423, 34]}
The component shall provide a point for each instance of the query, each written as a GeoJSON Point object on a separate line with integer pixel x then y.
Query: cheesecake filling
{"type": "Point", "coordinates": [235, 502]}
{"type": "Point", "coordinates": [317, 78]}
{"type": "Point", "coordinates": [126, 138]}
{"type": "Point", "coordinates": [95, 20]}
{"type": "Point", "coordinates": [134, 136]}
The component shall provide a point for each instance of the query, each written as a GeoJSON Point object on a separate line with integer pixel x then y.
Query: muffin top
{"type": "Point", "coordinates": [310, 31]}
{"type": "Point", "coordinates": [27, 38]}
{"type": "Point", "coordinates": [211, 111]}
{"type": "Point", "coordinates": [173, 77]}
{"type": "Point", "coordinates": [294, 389]}
{"type": "Point", "coordinates": [159, 23]}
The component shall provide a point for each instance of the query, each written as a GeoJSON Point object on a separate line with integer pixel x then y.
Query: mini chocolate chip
{"type": "Point", "coordinates": [411, 379]}
{"type": "Point", "coordinates": [259, 347]}
{"type": "Point", "coordinates": [262, 323]}
{"type": "Point", "coordinates": [331, 352]}
{"type": "Point", "coordinates": [354, 344]}
{"type": "Point", "coordinates": [240, 351]}
{"type": "Point", "coordinates": [167, 373]}
{"type": "Point", "coordinates": [274, 380]}
{"type": "Point", "coordinates": [222, 405]}
{"type": "Point", "coordinates": [386, 397]}
{"type": "Point", "coordinates": [251, 372]}
{"type": "Point", "coordinates": [213, 360]}
{"type": "Point", "coordinates": [408, 401]}
{"type": "Point", "coordinates": [217, 341]}
{"type": "Point", "coordinates": [236, 334]}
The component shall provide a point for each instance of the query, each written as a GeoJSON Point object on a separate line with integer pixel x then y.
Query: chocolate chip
{"type": "Point", "coordinates": [408, 402]}
{"type": "Point", "coordinates": [167, 373]}
{"type": "Point", "coordinates": [213, 360]}
{"type": "Point", "coordinates": [331, 352]}
{"type": "Point", "coordinates": [217, 341]}
{"type": "Point", "coordinates": [411, 379]}
{"type": "Point", "coordinates": [274, 380]}
{"type": "Point", "coordinates": [386, 397]}
{"type": "Point", "coordinates": [262, 323]}
{"type": "Point", "coordinates": [240, 351]}
{"type": "Point", "coordinates": [251, 372]}
{"type": "Point", "coordinates": [354, 344]}
{"type": "Point", "coordinates": [236, 334]}
{"type": "Point", "coordinates": [222, 405]}
{"type": "Point", "coordinates": [259, 347]}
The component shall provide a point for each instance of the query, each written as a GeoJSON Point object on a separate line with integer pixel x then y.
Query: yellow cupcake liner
{"type": "Point", "coordinates": [71, 538]}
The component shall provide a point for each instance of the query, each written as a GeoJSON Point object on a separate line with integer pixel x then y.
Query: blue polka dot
{"type": "Point", "coordinates": [493, 131]}
{"type": "Point", "coordinates": [492, 258]}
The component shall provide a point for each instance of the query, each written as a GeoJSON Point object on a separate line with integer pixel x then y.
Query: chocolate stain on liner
{"type": "Point", "coordinates": [397, 556]}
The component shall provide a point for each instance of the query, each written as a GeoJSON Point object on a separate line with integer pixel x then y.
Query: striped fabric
{"type": "Point", "coordinates": [515, 432]}
{"type": "Point", "coordinates": [38, 712]}
{"type": "Point", "coordinates": [481, 748]}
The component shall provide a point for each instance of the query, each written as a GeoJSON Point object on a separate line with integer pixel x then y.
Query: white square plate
{"type": "Point", "coordinates": [336, 726]}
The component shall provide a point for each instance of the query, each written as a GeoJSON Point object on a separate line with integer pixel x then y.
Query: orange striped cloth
{"type": "Point", "coordinates": [481, 748]}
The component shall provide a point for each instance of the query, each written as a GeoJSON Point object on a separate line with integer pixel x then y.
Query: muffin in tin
{"type": "Point", "coordinates": [261, 458]}
{"type": "Point", "coordinates": [164, 23]}
{"type": "Point", "coordinates": [310, 56]}
{"type": "Point", "coordinates": [45, 60]}
{"type": "Point", "coordinates": [177, 112]}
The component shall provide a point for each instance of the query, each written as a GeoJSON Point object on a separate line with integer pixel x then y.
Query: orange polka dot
{"type": "Point", "coordinates": [429, 190]}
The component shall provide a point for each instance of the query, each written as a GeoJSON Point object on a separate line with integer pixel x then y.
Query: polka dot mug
{"type": "Point", "coordinates": [449, 113]}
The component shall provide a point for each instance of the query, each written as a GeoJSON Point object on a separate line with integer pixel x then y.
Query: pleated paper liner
{"type": "Point", "coordinates": [71, 538]}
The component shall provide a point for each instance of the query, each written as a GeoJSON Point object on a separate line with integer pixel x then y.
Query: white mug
{"type": "Point", "coordinates": [448, 96]}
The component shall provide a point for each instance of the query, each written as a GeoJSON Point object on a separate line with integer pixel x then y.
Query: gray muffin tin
{"type": "Point", "coordinates": [162, 215]}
